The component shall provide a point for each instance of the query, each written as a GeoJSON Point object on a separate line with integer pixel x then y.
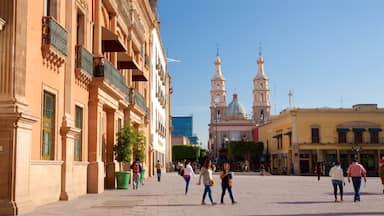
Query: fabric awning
{"type": "Point", "coordinates": [111, 42]}
{"type": "Point", "coordinates": [342, 129]}
{"type": "Point", "coordinates": [124, 61]}
{"type": "Point", "coordinates": [358, 129]}
{"type": "Point", "coordinates": [374, 129]}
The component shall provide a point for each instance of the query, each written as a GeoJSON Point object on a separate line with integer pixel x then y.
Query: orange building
{"type": "Point", "coordinates": [71, 74]}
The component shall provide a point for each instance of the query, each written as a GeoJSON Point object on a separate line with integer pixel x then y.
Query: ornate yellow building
{"type": "Point", "coordinates": [297, 138]}
{"type": "Point", "coordinates": [71, 74]}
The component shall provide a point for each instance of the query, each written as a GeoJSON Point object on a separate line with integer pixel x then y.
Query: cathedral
{"type": "Point", "coordinates": [231, 122]}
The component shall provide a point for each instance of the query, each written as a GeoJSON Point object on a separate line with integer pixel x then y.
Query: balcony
{"type": "Point", "coordinates": [54, 41]}
{"type": "Point", "coordinates": [84, 64]}
{"type": "Point", "coordinates": [111, 42]}
{"type": "Point", "coordinates": [138, 99]}
{"type": "Point", "coordinates": [111, 75]}
{"type": "Point", "coordinates": [141, 73]}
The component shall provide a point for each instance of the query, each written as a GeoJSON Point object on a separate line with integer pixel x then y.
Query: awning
{"type": "Point", "coordinates": [342, 129]}
{"type": "Point", "coordinates": [139, 75]}
{"type": "Point", "coordinates": [289, 133]}
{"type": "Point", "coordinates": [374, 129]}
{"type": "Point", "coordinates": [111, 42]}
{"type": "Point", "coordinates": [124, 61]}
{"type": "Point", "coordinates": [277, 136]}
{"type": "Point", "coordinates": [358, 129]}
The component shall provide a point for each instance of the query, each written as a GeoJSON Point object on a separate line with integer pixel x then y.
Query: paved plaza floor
{"type": "Point", "coordinates": [256, 195]}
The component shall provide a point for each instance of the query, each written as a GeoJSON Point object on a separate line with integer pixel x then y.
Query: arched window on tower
{"type": "Point", "coordinates": [262, 115]}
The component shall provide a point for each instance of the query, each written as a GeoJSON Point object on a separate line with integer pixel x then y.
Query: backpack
{"type": "Point", "coordinates": [136, 168]}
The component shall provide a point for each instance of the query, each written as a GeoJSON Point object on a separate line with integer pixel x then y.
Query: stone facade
{"type": "Point", "coordinates": [298, 138]}
{"type": "Point", "coordinates": [72, 74]}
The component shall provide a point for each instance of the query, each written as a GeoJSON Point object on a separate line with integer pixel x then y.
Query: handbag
{"type": "Point", "coordinates": [211, 182]}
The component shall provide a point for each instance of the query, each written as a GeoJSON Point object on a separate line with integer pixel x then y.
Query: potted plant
{"type": "Point", "coordinates": [139, 151]}
{"type": "Point", "coordinates": [126, 137]}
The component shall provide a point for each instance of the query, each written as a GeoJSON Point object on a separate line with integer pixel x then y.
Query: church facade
{"type": "Point", "coordinates": [230, 122]}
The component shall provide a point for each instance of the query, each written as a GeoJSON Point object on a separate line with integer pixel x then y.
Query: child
{"type": "Point", "coordinates": [226, 183]}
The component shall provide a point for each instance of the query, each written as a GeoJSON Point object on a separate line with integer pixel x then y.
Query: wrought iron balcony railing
{"type": "Point", "coordinates": [54, 35]}
{"type": "Point", "coordinates": [138, 99]}
{"type": "Point", "coordinates": [105, 69]}
{"type": "Point", "coordinates": [84, 60]}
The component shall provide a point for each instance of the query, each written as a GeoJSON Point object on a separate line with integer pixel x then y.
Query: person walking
{"type": "Point", "coordinates": [206, 175]}
{"type": "Point", "coordinates": [337, 178]}
{"type": "Point", "coordinates": [382, 173]}
{"type": "Point", "coordinates": [356, 171]}
{"type": "Point", "coordinates": [187, 174]}
{"type": "Point", "coordinates": [318, 170]}
{"type": "Point", "coordinates": [158, 170]}
{"type": "Point", "coordinates": [136, 170]}
{"type": "Point", "coordinates": [226, 183]}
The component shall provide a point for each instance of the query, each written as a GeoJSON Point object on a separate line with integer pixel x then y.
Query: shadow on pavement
{"type": "Point", "coordinates": [305, 202]}
{"type": "Point", "coordinates": [151, 195]}
{"type": "Point", "coordinates": [170, 205]}
{"type": "Point", "coordinates": [328, 214]}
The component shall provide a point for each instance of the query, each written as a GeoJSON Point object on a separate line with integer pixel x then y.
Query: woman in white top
{"type": "Point", "coordinates": [337, 178]}
{"type": "Point", "coordinates": [206, 174]}
{"type": "Point", "coordinates": [187, 174]}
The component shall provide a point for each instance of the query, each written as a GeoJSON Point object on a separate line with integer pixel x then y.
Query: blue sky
{"type": "Point", "coordinates": [329, 53]}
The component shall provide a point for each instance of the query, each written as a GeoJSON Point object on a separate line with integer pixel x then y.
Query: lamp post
{"type": "Point", "coordinates": [216, 138]}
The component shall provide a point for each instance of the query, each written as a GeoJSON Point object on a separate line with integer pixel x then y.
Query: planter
{"type": "Point", "coordinates": [142, 176]}
{"type": "Point", "coordinates": [123, 179]}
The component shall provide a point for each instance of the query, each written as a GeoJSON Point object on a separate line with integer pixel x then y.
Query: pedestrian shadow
{"type": "Point", "coordinates": [305, 202]}
{"type": "Point", "coordinates": [361, 193]}
{"type": "Point", "coordinates": [170, 205]}
{"type": "Point", "coordinates": [328, 214]}
{"type": "Point", "coordinates": [151, 195]}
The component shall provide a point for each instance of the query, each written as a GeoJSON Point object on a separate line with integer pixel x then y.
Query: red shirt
{"type": "Point", "coordinates": [356, 170]}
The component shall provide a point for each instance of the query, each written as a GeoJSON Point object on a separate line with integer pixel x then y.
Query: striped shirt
{"type": "Point", "coordinates": [356, 170]}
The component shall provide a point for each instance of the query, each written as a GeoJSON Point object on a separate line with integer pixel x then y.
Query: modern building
{"type": "Point", "coordinates": [72, 73]}
{"type": "Point", "coordinates": [231, 122]}
{"type": "Point", "coordinates": [182, 125]}
{"type": "Point", "coordinates": [298, 138]}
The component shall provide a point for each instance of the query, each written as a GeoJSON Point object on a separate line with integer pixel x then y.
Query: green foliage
{"type": "Point", "coordinates": [139, 146]}
{"type": "Point", "coordinates": [183, 152]}
{"type": "Point", "coordinates": [244, 150]}
{"type": "Point", "coordinates": [126, 137]}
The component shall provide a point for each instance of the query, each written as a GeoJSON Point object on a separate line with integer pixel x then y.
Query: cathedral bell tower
{"type": "Point", "coordinates": [261, 102]}
{"type": "Point", "coordinates": [218, 93]}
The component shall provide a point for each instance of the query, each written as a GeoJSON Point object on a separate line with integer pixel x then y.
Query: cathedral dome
{"type": "Point", "coordinates": [235, 108]}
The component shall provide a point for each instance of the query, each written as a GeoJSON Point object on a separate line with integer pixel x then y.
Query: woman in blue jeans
{"type": "Point", "coordinates": [226, 183]}
{"type": "Point", "coordinates": [187, 174]}
{"type": "Point", "coordinates": [206, 174]}
{"type": "Point", "coordinates": [337, 178]}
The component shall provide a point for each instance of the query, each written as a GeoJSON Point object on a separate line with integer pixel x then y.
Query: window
{"type": "Point", "coordinates": [374, 136]}
{"type": "Point", "coordinates": [342, 136]}
{"type": "Point", "coordinates": [79, 137]}
{"type": "Point", "coordinates": [80, 29]}
{"type": "Point", "coordinates": [50, 8]}
{"type": "Point", "coordinates": [315, 134]}
{"type": "Point", "coordinates": [358, 136]}
{"type": "Point", "coordinates": [48, 133]}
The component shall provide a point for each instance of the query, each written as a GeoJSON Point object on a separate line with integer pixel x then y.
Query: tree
{"type": "Point", "coordinates": [183, 152]}
{"type": "Point", "coordinates": [126, 137]}
{"type": "Point", "coordinates": [139, 146]}
{"type": "Point", "coordinates": [245, 150]}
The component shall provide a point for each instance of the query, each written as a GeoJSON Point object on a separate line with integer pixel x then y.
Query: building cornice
{"type": "Point", "coordinates": [2, 24]}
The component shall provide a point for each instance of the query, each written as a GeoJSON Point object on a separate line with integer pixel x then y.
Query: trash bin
{"type": "Point", "coordinates": [123, 178]}
{"type": "Point", "coordinates": [142, 176]}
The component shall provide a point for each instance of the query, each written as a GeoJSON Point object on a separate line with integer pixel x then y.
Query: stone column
{"type": "Point", "coordinates": [15, 120]}
{"type": "Point", "coordinates": [110, 143]}
{"type": "Point", "coordinates": [95, 176]}
{"type": "Point", "coordinates": [97, 30]}
{"type": "Point", "coordinates": [295, 146]}
{"type": "Point", "coordinates": [68, 136]}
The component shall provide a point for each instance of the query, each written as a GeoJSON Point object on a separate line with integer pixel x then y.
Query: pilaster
{"type": "Point", "coordinates": [15, 153]}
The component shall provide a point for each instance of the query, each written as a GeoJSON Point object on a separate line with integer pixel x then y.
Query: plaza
{"type": "Point", "coordinates": [256, 195]}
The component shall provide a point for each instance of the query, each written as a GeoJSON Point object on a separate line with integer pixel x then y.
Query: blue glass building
{"type": "Point", "coordinates": [182, 125]}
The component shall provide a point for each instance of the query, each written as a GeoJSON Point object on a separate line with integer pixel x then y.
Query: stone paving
{"type": "Point", "coordinates": [256, 195]}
